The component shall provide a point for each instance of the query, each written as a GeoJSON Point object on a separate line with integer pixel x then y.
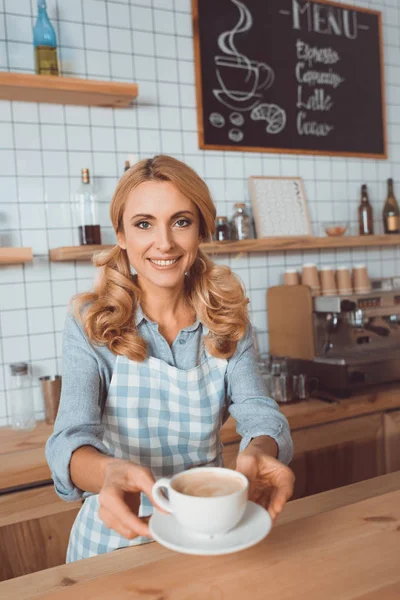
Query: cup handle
{"type": "Point", "coordinates": [268, 76]}
{"type": "Point", "coordinates": [160, 499]}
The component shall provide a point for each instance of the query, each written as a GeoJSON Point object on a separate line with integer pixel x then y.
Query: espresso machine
{"type": "Point", "coordinates": [346, 342]}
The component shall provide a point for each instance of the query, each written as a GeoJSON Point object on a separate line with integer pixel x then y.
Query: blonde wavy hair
{"type": "Point", "coordinates": [214, 292]}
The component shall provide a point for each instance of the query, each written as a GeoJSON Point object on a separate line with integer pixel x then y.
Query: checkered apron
{"type": "Point", "coordinates": [162, 418]}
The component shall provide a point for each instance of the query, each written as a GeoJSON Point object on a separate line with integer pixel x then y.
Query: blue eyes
{"type": "Point", "coordinates": [181, 223]}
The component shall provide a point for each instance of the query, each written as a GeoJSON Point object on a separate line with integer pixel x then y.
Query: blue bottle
{"type": "Point", "coordinates": [45, 43]}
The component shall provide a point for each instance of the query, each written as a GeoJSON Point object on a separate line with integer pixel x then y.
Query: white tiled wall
{"type": "Point", "coordinates": [43, 147]}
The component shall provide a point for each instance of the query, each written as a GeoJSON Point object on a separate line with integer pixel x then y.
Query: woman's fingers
{"type": "Point", "coordinates": [129, 531]}
{"type": "Point", "coordinates": [116, 512]}
{"type": "Point", "coordinates": [145, 480]}
{"type": "Point", "coordinates": [280, 495]}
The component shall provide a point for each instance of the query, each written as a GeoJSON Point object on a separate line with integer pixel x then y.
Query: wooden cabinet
{"type": "Point", "coordinates": [230, 453]}
{"type": "Point", "coordinates": [336, 454]}
{"type": "Point", "coordinates": [34, 531]}
{"type": "Point", "coordinates": [334, 446]}
{"type": "Point", "coordinates": [392, 440]}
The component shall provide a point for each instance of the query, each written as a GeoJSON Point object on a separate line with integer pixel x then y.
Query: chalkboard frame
{"type": "Point", "coordinates": [232, 148]}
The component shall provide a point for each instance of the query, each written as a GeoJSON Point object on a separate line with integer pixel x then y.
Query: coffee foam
{"type": "Point", "coordinates": [207, 485]}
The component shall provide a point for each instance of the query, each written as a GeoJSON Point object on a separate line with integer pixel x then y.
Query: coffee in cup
{"type": "Point", "coordinates": [204, 500]}
{"type": "Point", "coordinates": [207, 485]}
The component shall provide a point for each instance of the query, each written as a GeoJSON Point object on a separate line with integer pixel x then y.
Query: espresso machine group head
{"type": "Point", "coordinates": [346, 342]}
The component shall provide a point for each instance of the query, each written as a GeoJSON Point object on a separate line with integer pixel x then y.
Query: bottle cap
{"type": "Point", "coordinates": [240, 205]}
{"type": "Point", "coordinates": [19, 368]}
{"type": "Point", "coordinates": [222, 219]}
{"type": "Point", "coordinates": [85, 176]}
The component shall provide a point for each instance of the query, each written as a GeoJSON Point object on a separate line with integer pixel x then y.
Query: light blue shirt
{"type": "Point", "coordinates": [87, 376]}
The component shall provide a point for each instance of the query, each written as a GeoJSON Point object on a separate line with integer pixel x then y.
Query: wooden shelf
{"type": "Point", "coordinates": [275, 244]}
{"type": "Point", "coordinates": [282, 244]}
{"type": "Point", "coordinates": [67, 253]}
{"type": "Point", "coordinates": [14, 256]}
{"type": "Point", "coordinates": [66, 90]}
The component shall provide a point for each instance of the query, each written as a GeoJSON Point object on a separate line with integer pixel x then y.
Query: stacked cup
{"type": "Point", "coordinates": [309, 276]}
{"type": "Point", "coordinates": [343, 281]}
{"type": "Point", "coordinates": [361, 282]}
{"type": "Point", "coordinates": [328, 283]}
{"type": "Point", "coordinates": [344, 284]}
{"type": "Point", "coordinates": [291, 277]}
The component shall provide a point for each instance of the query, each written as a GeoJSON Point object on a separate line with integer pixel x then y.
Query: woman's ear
{"type": "Point", "coordinates": [121, 240]}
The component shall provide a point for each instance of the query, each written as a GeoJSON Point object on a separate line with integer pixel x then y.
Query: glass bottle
{"type": "Point", "coordinates": [365, 216]}
{"type": "Point", "coordinates": [222, 229]}
{"type": "Point", "coordinates": [241, 223]}
{"type": "Point", "coordinates": [45, 43]}
{"type": "Point", "coordinates": [391, 212]}
{"type": "Point", "coordinates": [21, 397]}
{"type": "Point", "coordinates": [89, 229]}
{"type": "Point", "coordinates": [127, 166]}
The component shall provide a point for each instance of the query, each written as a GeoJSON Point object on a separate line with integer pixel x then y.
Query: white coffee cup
{"type": "Point", "coordinates": [204, 515]}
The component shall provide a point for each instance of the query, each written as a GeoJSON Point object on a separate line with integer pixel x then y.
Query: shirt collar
{"type": "Point", "coordinates": [140, 317]}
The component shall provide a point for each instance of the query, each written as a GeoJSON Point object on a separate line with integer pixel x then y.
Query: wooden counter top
{"type": "Point", "coordinates": [23, 461]}
{"type": "Point", "coordinates": [341, 544]}
{"type": "Point", "coordinates": [22, 458]}
{"type": "Point", "coordinates": [316, 412]}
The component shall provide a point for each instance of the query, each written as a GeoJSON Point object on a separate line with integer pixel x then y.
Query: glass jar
{"type": "Point", "coordinates": [241, 223]}
{"type": "Point", "coordinates": [20, 394]}
{"type": "Point", "coordinates": [222, 229]}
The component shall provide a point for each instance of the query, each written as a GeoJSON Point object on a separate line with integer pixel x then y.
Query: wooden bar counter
{"type": "Point", "coordinates": [338, 545]}
{"type": "Point", "coordinates": [23, 462]}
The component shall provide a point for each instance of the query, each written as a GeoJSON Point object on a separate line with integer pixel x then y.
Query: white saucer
{"type": "Point", "coordinates": [254, 527]}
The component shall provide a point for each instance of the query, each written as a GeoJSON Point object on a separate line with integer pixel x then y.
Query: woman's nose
{"type": "Point", "coordinates": [164, 240]}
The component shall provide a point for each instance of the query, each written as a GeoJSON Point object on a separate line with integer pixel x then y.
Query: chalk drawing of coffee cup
{"type": "Point", "coordinates": [241, 78]}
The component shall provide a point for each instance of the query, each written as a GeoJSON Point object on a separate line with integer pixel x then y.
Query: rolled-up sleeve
{"type": "Point", "coordinates": [255, 413]}
{"type": "Point", "coordinates": [78, 421]}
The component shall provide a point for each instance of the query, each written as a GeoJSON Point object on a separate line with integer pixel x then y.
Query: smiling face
{"type": "Point", "coordinates": [160, 233]}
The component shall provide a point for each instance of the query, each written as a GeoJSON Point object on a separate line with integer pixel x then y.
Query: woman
{"type": "Point", "coordinates": [153, 365]}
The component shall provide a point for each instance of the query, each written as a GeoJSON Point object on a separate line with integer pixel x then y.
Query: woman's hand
{"type": "Point", "coordinates": [271, 482]}
{"type": "Point", "coordinates": [120, 498]}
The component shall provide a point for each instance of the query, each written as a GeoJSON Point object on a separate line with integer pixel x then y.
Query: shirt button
{"type": "Point", "coordinates": [182, 341]}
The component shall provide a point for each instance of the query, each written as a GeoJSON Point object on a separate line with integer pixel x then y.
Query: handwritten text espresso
{"type": "Point", "coordinates": [326, 20]}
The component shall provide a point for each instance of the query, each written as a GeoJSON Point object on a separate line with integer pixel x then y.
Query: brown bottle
{"type": "Point", "coordinates": [365, 218]}
{"type": "Point", "coordinates": [86, 203]}
{"type": "Point", "coordinates": [391, 212]}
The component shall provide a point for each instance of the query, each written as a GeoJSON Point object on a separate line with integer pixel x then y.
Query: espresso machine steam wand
{"type": "Point", "coordinates": [332, 323]}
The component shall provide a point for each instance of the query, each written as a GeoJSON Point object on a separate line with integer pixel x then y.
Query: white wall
{"type": "Point", "coordinates": [43, 147]}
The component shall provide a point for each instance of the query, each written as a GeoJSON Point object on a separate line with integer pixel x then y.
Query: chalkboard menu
{"type": "Point", "coordinates": [289, 76]}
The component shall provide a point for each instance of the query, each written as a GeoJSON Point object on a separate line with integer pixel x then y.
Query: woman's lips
{"type": "Point", "coordinates": [164, 264]}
